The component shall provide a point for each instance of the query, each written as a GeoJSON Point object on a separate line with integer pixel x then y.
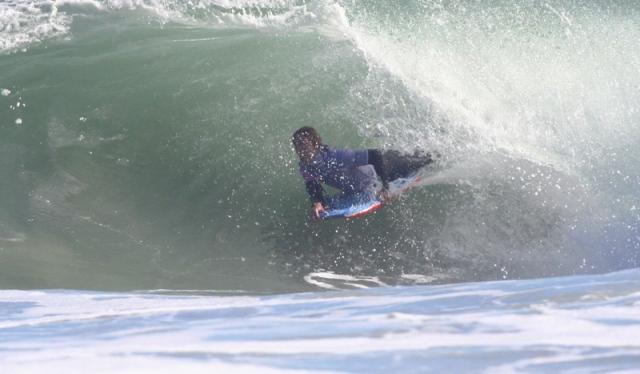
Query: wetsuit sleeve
{"type": "Point", "coordinates": [315, 191]}
{"type": "Point", "coordinates": [313, 186]}
{"type": "Point", "coordinates": [351, 157]}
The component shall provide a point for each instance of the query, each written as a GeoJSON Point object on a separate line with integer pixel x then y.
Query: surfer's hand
{"type": "Point", "coordinates": [317, 209]}
{"type": "Point", "coordinates": [384, 194]}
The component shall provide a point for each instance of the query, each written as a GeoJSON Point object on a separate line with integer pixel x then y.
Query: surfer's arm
{"type": "Point", "coordinates": [312, 184]}
{"type": "Point", "coordinates": [314, 188]}
{"type": "Point", "coordinates": [315, 191]}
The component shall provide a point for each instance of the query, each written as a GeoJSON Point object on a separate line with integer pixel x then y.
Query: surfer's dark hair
{"type": "Point", "coordinates": [306, 133]}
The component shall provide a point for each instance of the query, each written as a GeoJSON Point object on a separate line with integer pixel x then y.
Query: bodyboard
{"type": "Point", "coordinates": [360, 204]}
{"type": "Point", "coordinates": [350, 205]}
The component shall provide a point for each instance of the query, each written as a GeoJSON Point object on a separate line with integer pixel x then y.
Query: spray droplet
{"type": "Point", "coordinates": [19, 121]}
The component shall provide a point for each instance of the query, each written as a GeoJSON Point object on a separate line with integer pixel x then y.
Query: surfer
{"type": "Point", "coordinates": [349, 170]}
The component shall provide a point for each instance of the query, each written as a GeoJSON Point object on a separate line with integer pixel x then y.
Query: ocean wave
{"type": "Point", "coordinates": [27, 22]}
{"type": "Point", "coordinates": [586, 323]}
{"type": "Point", "coordinates": [151, 148]}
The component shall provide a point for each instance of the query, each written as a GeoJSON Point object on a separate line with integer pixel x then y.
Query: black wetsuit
{"type": "Point", "coordinates": [391, 165]}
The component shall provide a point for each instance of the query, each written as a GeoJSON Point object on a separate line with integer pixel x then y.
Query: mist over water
{"type": "Point", "coordinates": [145, 144]}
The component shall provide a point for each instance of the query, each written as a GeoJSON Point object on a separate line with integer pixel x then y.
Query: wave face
{"type": "Point", "coordinates": [577, 323]}
{"type": "Point", "coordinates": [145, 144]}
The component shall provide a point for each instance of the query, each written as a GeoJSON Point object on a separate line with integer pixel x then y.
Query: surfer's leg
{"type": "Point", "coordinates": [397, 165]}
{"type": "Point", "coordinates": [376, 159]}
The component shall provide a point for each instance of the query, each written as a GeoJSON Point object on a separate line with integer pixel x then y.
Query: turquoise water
{"type": "Point", "coordinates": [145, 144]}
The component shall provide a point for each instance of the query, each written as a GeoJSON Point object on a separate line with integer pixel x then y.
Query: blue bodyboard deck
{"type": "Point", "coordinates": [360, 204]}
{"type": "Point", "coordinates": [350, 206]}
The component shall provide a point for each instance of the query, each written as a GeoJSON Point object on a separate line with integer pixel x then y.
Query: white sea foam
{"type": "Point", "coordinates": [505, 89]}
{"type": "Point", "coordinates": [5, 92]}
{"type": "Point", "coordinates": [9, 235]}
{"type": "Point", "coordinates": [24, 23]}
{"type": "Point", "coordinates": [332, 281]}
{"type": "Point", "coordinates": [507, 326]}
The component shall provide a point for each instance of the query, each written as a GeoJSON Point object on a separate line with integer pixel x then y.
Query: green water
{"type": "Point", "coordinates": [153, 151]}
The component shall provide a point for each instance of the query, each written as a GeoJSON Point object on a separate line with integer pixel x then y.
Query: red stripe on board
{"type": "Point", "coordinates": [364, 212]}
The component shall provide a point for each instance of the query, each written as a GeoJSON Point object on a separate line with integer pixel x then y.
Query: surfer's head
{"type": "Point", "coordinates": [306, 142]}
